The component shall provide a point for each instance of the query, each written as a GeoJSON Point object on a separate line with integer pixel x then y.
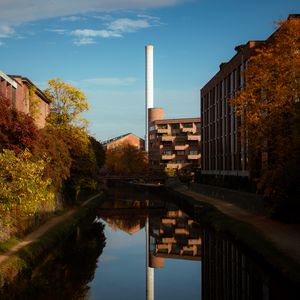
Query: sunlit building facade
{"type": "Point", "coordinates": [123, 140]}
{"type": "Point", "coordinates": [173, 143]}
{"type": "Point", "coordinates": [25, 97]}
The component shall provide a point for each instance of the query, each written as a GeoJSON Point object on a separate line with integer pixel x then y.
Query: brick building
{"type": "Point", "coordinates": [224, 156]}
{"type": "Point", "coordinates": [25, 97]}
{"type": "Point", "coordinates": [125, 139]}
{"type": "Point", "coordinates": [173, 143]}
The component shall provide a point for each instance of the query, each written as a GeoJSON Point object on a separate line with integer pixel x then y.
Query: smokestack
{"type": "Point", "coordinates": [149, 88]}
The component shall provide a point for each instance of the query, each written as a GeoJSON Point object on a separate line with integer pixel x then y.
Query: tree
{"type": "Point", "coordinates": [67, 104]}
{"type": "Point", "coordinates": [17, 130]}
{"type": "Point", "coordinates": [126, 160]}
{"type": "Point", "coordinates": [270, 110]}
{"type": "Point", "coordinates": [99, 151]}
{"type": "Point", "coordinates": [24, 191]}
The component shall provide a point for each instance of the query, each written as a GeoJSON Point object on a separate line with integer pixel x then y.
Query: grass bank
{"type": "Point", "coordinates": [29, 256]}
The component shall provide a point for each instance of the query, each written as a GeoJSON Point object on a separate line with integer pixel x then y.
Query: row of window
{"type": "Point", "coordinates": [180, 152]}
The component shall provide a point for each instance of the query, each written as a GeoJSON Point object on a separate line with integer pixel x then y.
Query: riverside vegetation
{"type": "Point", "coordinates": [43, 170]}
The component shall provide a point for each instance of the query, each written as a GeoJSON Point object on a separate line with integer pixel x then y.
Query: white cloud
{"type": "Point", "coordinates": [60, 31]}
{"type": "Point", "coordinates": [128, 25]}
{"type": "Point", "coordinates": [6, 31]}
{"type": "Point", "coordinates": [84, 41]}
{"type": "Point", "coordinates": [72, 18]}
{"type": "Point", "coordinates": [95, 33]}
{"type": "Point", "coordinates": [21, 11]}
{"type": "Point", "coordinates": [114, 29]}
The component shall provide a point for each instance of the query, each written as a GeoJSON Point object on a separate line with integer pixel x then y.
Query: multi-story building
{"type": "Point", "coordinates": [125, 139]}
{"type": "Point", "coordinates": [26, 97]}
{"type": "Point", "coordinates": [173, 143]}
{"type": "Point", "coordinates": [224, 155]}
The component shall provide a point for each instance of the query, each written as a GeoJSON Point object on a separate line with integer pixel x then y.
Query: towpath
{"type": "Point", "coordinates": [42, 230]}
{"type": "Point", "coordinates": [286, 237]}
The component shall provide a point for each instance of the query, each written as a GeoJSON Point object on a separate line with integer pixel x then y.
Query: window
{"type": "Point", "coordinates": [167, 152]}
{"type": "Point", "coordinates": [180, 152]}
{"type": "Point", "coordinates": [162, 126]}
{"type": "Point", "coordinates": [180, 161]}
{"type": "Point", "coordinates": [193, 152]}
{"type": "Point", "coordinates": [188, 125]}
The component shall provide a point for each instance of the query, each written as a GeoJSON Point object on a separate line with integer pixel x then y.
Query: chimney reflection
{"type": "Point", "coordinates": [173, 235]}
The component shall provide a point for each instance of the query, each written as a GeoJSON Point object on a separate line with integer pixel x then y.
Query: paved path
{"type": "Point", "coordinates": [42, 230]}
{"type": "Point", "coordinates": [286, 237]}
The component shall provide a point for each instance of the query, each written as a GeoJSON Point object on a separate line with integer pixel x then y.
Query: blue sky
{"type": "Point", "coordinates": [98, 46]}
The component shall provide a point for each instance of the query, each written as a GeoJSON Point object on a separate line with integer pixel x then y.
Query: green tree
{"type": "Point", "coordinates": [270, 110]}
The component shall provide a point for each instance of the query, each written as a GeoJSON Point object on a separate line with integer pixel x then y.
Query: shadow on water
{"type": "Point", "coordinates": [185, 259]}
{"type": "Point", "coordinates": [66, 272]}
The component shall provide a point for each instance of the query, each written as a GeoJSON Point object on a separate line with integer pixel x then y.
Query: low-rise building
{"type": "Point", "coordinates": [125, 139]}
{"type": "Point", "coordinates": [173, 143]}
{"type": "Point", "coordinates": [25, 97]}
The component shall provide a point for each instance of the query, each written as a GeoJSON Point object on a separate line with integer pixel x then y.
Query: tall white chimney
{"type": "Point", "coordinates": [149, 89]}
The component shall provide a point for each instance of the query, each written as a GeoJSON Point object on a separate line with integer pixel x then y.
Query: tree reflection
{"type": "Point", "coordinates": [66, 273]}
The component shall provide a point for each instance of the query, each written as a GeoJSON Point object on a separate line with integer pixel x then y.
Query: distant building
{"type": "Point", "coordinates": [125, 139]}
{"type": "Point", "coordinates": [25, 97]}
{"type": "Point", "coordinates": [173, 143]}
{"type": "Point", "coordinates": [224, 156]}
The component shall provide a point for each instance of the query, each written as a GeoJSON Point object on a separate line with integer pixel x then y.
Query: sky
{"type": "Point", "coordinates": [98, 46]}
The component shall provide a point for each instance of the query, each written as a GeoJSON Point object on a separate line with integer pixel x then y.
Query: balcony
{"type": "Point", "coordinates": [176, 165]}
{"type": "Point", "coordinates": [163, 130]}
{"type": "Point", "coordinates": [187, 129]}
{"type": "Point", "coordinates": [181, 147]}
{"type": "Point", "coordinates": [194, 156]}
{"type": "Point", "coordinates": [193, 138]}
{"type": "Point", "coordinates": [168, 138]}
{"type": "Point", "coordinates": [167, 156]}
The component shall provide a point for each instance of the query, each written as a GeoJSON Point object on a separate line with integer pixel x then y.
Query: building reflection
{"type": "Point", "coordinates": [228, 271]}
{"type": "Point", "coordinates": [175, 235]}
{"type": "Point", "coordinates": [172, 235]}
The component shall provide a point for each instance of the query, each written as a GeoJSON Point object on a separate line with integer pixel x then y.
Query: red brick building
{"type": "Point", "coordinates": [25, 97]}
{"type": "Point", "coordinates": [125, 139]}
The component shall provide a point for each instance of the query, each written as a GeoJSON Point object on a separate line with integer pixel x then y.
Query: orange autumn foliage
{"type": "Point", "coordinates": [269, 107]}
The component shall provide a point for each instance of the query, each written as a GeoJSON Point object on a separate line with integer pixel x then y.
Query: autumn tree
{"type": "Point", "coordinates": [17, 130]}
{"type": "Point", "coordinates": [67, 104]}
{"type": "Point", "coordinates": [24, 191]}
{"type": "Point", "coordinates": [126, 160]}
{"type": "Point", "coordinates": [269, 107]}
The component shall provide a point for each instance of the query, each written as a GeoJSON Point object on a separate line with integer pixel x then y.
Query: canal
{"type": "Point", "coordinates": [141, 246]}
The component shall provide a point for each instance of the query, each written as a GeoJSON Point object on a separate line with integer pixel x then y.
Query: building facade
{"type": "Point", "coordinates": [224, 149]}
{"type": "Point", "coordinates": [125, 139]}
{"type": "Point", "coordinates": [173, 143]}
{"type": "Point", "coordinates": [223, 153]}
{"type": "Point", "coordinates": [25, 97]}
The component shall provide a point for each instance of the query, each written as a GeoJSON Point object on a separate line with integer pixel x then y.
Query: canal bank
{"type": "Point", "coordinates": [27, 254]}
{"type": "Point", "coordinates": [274, 242]}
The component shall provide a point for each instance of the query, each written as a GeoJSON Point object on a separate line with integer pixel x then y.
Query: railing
{"type": "Point", "coordinates": [193, 137]}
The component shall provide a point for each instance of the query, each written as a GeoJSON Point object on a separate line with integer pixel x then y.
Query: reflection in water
{"type": "Point", "coordinates": [66, 273]}
{"type": "Point", "coordinates": [182, 260]}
